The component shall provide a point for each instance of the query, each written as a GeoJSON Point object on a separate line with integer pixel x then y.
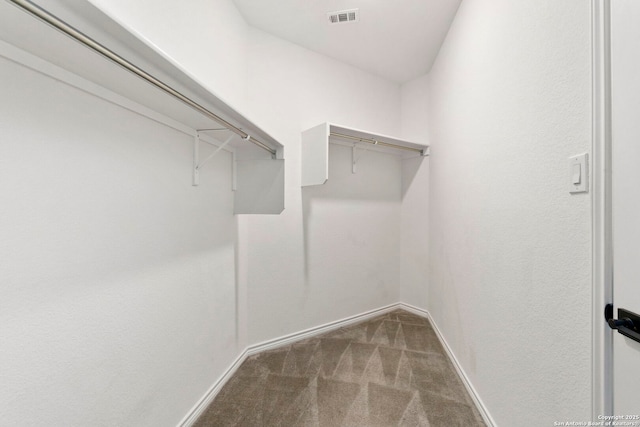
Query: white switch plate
{"type": "Point", "coordinates": [579, 164]}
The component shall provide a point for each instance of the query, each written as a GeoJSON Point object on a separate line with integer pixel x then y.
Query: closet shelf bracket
{"type": "Point", "coordinates": [197, 164]}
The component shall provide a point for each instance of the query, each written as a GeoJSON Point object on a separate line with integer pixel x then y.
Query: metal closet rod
{"type": "Point", "coordinates": [375, 142]}
{"type": "Point", "coordinates": [77, 35]}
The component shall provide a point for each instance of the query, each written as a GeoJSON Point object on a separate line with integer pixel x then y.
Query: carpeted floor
{"type": "Point", "coordinates": [388, 371]}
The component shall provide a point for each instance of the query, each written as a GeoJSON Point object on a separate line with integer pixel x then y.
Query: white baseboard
{"type": "Point", "coordinates": [463, 376]}
{"type": "Point", "coordinates": [208, 397]}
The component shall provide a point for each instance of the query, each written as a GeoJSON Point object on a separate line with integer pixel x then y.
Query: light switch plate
{"type": "Point", "coordinates": [579, 173]}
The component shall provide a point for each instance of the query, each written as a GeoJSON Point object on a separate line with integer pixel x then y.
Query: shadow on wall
{"type": "Point", "coordinates": [410, 168]}
{"type": "Point", "coordinates": [351, 224]}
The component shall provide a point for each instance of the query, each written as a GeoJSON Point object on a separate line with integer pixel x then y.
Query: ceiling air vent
{"type": "Point", "coordinates": [343, 16]}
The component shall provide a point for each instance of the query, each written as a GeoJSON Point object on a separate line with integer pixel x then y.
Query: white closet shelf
{"type": "Point", "coordinates": [315, 148]}
{"type": "Point", "coordinates": [27, 40]}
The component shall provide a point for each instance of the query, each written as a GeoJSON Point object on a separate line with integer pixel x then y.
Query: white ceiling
{"type": "Point", "coordinates": [395, 39]}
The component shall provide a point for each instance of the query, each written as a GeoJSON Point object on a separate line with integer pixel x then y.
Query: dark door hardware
{"type": "Point", "coordinates": [627, 323]}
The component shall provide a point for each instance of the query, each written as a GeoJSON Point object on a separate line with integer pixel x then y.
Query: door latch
{"type": "Point", "coordinates": [627, 323]}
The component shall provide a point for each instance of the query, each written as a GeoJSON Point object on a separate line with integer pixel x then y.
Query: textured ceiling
{"type": "Point", "coordinates": [395, 39]}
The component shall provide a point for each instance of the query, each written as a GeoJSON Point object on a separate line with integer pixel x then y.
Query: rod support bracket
{"type": "Point", "coordinates": [197, 164]}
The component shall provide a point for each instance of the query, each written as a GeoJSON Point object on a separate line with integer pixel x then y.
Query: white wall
{"type": "Point", "coordinates": [414, 255]}
{"type": "Point", "coordinates": [288, 89]}
{"type": "Point", "coordinates": [117, 275]}
{"type": "Point", "coordinates": [510, 273]}
{"type": "Point", "coordinates": [151, 332]}
{"type": "Point", "coordinates": [206, 37]}
{"type": "Point", "coordinates": [209, 39]}
{"type": "Point", "coordinates": [291, 282]}
{"type": "Point", "coordinates": [129, 299]}
{"type": "Point", "coordinates": [414, 110]}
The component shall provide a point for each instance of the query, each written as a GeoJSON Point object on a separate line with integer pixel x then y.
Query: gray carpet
{"type": "Point", "coordinates": [388, 371]}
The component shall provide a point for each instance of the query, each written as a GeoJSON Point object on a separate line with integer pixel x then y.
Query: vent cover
{"type": "Point", "coordinates": [343, 16]}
